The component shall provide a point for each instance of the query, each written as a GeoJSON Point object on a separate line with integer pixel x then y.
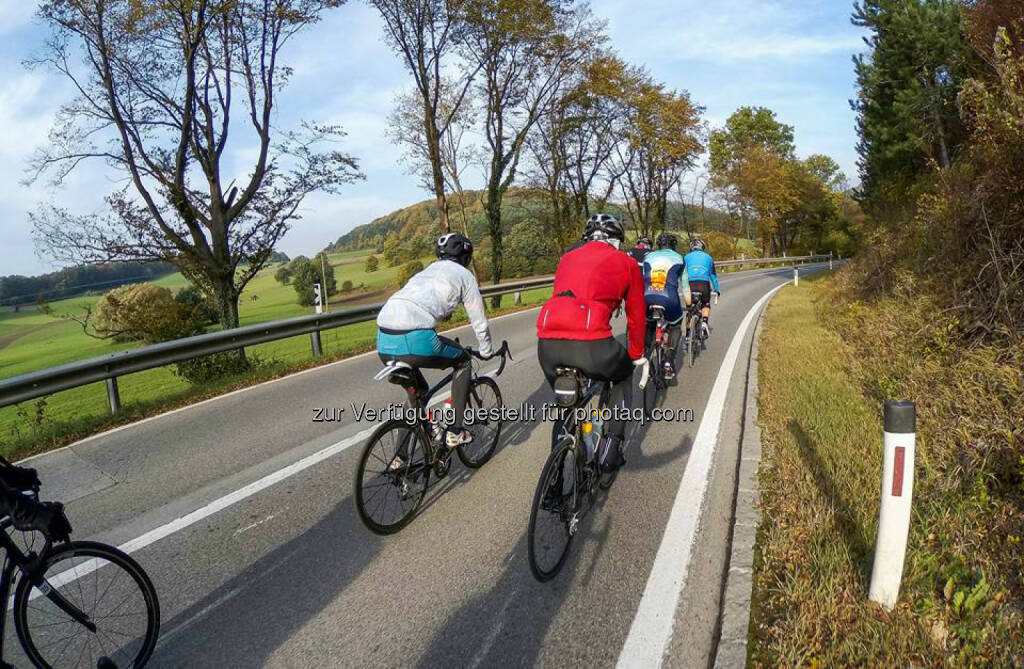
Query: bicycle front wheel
{"type": "Point", "coordinates": [392, 477]}
{"type": "Point", "coordinates": [554, 514]}
{"type": "Point", "coordinates": [485, 402]}
{"type": "Point", "coordinates": [89, 601]}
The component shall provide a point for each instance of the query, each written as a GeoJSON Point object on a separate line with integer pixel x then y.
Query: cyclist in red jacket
{"type": "Point", "coordinates": [574, 326]}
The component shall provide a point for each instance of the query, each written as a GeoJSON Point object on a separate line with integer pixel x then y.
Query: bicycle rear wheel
{"type": "Point", "coordinates": [484, 396]}
{"type": "Point", "coordinates": [387, 500]}
{"type": "Point", "coordinates": [89, 601]}
{"type": "Point", "coordinates": [694, 341]}
{"type": "Point", "coordinates": [554, 512]}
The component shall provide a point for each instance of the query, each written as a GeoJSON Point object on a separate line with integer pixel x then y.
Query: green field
{"type": "Point", "coordinates": [32, 340]}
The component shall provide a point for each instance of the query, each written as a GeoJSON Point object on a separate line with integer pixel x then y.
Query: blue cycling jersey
{"type": "Point", "coordinates": [665, 282]}
{"type": "Point", "coordinates": [701, 267]}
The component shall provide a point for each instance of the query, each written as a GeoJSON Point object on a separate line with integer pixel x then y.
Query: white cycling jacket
{"type": "Point", "coordinates": [431, 296]}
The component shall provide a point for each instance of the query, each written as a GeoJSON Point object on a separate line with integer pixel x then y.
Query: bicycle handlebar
{"type": "Point", "coordinates": [502, 352]}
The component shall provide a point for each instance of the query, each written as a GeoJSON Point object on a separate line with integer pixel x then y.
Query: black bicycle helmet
{"type": "Point", "coordinates": [644, 242]}
{"type": "Point", "coordinates": [604, 226]}
{"type": "Point", "coordinates": [667, 240]}
{"type": "Point", "coordinates": [454, 246]}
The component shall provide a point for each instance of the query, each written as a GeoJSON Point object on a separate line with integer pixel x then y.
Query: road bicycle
{"type": "Point", "coordinates": [77, 603]}
{"type": "Point", "coordinates": [387, 496]}
{"type": "Point", "coordinates": [658, 353]}
{"type": "Point", "coordinates": [694, 341]}
{"type": "Point", "coordinates": [571, 475]}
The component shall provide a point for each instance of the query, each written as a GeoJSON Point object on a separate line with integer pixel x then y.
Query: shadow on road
{"type": "Point", "coordinates": [241, 623]}
{"type": "Point", "coordinates": [853, 535]}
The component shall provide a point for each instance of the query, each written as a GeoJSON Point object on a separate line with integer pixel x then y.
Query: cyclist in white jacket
{"type": "Point", "coordinates": [406, 325]}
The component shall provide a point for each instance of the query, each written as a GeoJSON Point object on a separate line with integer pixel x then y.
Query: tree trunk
{"type": "Point", "coordinates": [227, 303]}
{"type": "Point", "coordinates": [434, 153]}
{"type": "Point", "coordinates": [493, 211]}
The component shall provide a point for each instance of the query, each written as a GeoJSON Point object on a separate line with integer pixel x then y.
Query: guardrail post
{"type": "Point", "coordinates": [113, 396]}
{"type": "Point", "coordinates": [830, 260]}
{"type": "Point", "coordinates": [318, 349]}
{"type": "Point", "coordinates": [518, 298]}
{"type": "Point", "coordinates": [894, 513]}
{"type": "Point", "coordinates": [796, 276]}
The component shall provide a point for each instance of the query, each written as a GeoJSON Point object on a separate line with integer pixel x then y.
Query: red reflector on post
{"type": "Point", "coordinates": [897, 471]}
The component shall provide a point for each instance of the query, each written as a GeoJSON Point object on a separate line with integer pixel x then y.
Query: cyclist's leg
{"type": "Point", "coordinates": [675, 333]}
{"type": "Point", "coordinates": [458, 359]}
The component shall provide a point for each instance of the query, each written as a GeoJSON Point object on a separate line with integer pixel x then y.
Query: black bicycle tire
{"type": "Point", "coordinates": [113, 556]}
{"type": "Point", "coordinates": [372, 525]}
{"type": "Point", "coordinates": [491, 383]}
{"type": "Point", "coordinates": [565, 449]}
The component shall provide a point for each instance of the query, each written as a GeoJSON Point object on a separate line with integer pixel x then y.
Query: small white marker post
{"type": "Point", "coordinates": [830, 261]}
{"type": "Point", "coordinates": [796, 276]}
{"type": "Point", "coordinates": [894, 514]}
{"type": "Point", "coordinates": [314, 336]}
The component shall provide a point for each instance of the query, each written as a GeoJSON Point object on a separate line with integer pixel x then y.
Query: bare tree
{"type": "Point", "coordinates": [425, 33]}
{"type": "Point", "coordinates": [526, 50]}
{"type": "Point", "coordinates": [157, 84]}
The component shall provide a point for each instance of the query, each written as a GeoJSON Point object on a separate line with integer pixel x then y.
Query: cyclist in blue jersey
{"type": "Point", "coordinates": [666, 285]}
{"type": "Point", "coordinates": [703, 278]}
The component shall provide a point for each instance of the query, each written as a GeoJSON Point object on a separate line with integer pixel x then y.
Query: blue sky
{"type": "Point", "coordinates": [792, 56]}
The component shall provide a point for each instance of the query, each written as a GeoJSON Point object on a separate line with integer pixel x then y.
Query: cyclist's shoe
{"type": "Point", "coordinates": [704, 330]}
{"type": "Point", "coordinates": [454, 438]}
{"type": "Point", "coordinates": [609, 454]}
{"type": "Point", "coordinates": [396, 465]}
{"type": "Point", "coordinates": [670, 371]}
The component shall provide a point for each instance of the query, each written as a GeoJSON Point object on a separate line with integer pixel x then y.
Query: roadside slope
{"type": "Point", "coordinates": [820, 407]}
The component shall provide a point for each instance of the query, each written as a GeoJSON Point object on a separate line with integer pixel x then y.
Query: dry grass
{"type": "Point", "coordinates": [828, 361]}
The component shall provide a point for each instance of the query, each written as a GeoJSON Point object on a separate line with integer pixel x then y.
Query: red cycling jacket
{"type": "Point", "coordinates": [590, 282]}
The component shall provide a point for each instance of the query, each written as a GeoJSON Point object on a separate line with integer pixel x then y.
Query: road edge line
{"type": "Point", "coordinates": [734, 612]}
{"type": "Point", "coordinates": [651, 630]}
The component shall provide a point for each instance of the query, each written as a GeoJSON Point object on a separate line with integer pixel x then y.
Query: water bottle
{"type": "Point", "coordinates": [589, 439]}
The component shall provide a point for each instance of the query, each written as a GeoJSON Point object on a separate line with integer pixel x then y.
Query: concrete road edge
{"type": "Point", "coordinates": [734, 621]}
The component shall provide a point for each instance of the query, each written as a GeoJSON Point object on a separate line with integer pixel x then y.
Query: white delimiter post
{"type": "Point", "coordinates": [897, 490]}
{"type": "Point", "coordinates": [796, 277]}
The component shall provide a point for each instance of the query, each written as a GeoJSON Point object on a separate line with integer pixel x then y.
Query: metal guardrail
{"type": "Point", "coordinates": [108, 367]}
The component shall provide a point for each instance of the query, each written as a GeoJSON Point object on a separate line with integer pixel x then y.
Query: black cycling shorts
{"type": "Point", "coordinates": [702, 288]}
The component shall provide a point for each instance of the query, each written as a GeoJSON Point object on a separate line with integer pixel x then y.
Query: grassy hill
{"type": "Point", "coordinates": [417, 224]}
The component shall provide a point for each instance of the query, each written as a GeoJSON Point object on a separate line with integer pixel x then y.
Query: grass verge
{"type": "Point", "coordinates": [827, 363]}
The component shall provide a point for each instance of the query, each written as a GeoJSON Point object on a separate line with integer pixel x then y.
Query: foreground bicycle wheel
{"type": "Point", "coordinates": [484, 396]}
{"type": "Point", "coordinates": [387, 500]}
{"type": "Point", "coordinates": [694, 342]}
{"type": "Point", "coordinates": [553, 516]}
{"type": "Point", "coordinates": [110, 594]}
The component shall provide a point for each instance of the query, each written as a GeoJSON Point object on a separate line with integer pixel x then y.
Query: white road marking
{"type": "Point", "coordinates": [651, 631]}
{"type": "Point", "coordinates": [230, 499]}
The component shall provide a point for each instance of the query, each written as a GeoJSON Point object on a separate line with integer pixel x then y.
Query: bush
{"type": "Point", "coordinates": [146, 312]}
{"type": "Point", "coordinates": [347, 286]}
{"type": "Point", "coordinates": [371, 264]}
{"type": "Point", "coordinates": [283, 275]}
{"type": "Point", "coordinates": [213, 367]}
{"type": "Point", "coordinates": [306, 272]}
{"type": "Point", "coordinates": [192, 298]}
{"type": "Point", "coordinates": [406, 271]}
{"type": "Point", "coordinates": [720, 245]}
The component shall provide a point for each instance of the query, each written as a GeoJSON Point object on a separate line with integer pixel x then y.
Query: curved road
{"type": "Point", "coordinates": [241, 510]}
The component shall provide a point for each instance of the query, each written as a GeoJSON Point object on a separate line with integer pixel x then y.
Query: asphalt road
{"type": "Point", "coordinates": [283, 574]}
